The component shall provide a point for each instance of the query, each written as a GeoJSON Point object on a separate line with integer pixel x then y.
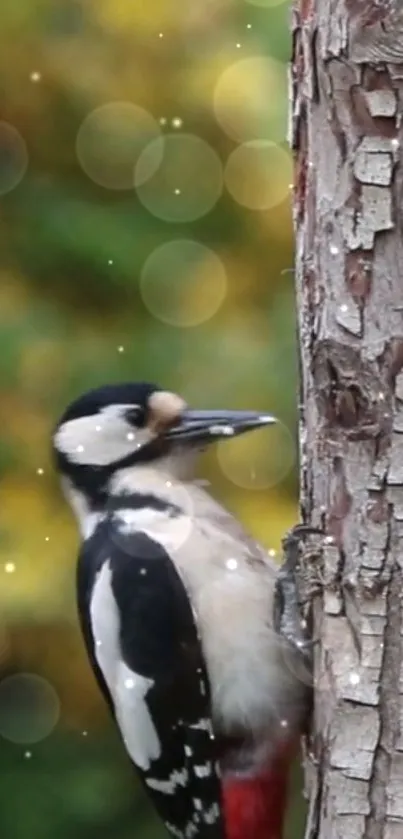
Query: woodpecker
{"type": "Point", "coordinates": [179, 611]}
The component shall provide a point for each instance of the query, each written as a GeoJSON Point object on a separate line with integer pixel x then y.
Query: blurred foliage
{"type": "Point", "coordinates": [74, 314]}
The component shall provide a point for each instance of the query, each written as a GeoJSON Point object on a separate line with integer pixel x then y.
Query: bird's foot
{"type": "Point", "coordinates": [292, 616]}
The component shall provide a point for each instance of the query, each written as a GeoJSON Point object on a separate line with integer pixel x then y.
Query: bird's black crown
{"type": "Point", "coordinates": [125, 393]}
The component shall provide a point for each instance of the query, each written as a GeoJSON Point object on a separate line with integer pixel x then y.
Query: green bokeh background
{"type": "Point", "coordinates": [74, 314]}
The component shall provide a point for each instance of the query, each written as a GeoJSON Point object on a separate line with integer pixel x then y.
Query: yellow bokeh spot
{"type": "Point", "coordinates": [268, 515]}
{"type": "Point", "coordinates": [183, 283]}
{"type": "Point", "coordinates": [258, 174]}
{"type": "Point", "coordinates": [143, 17]}
{"type": "Point", "coordinates": [43, 551]}
{"type": "Point", "coordinates": [250, 99]}
{"type": "Point", "coordinates": [260, 460]}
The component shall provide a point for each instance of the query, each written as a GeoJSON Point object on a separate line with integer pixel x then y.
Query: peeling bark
{"type": "Point", "coordinates": [346, 134]}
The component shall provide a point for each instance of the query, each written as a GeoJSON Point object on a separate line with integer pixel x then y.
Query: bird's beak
{"type": "Point", "coordinates": [207, 426]}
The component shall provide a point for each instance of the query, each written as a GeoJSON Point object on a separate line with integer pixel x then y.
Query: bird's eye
{"type": "Point", "coordinates": [136, 416]}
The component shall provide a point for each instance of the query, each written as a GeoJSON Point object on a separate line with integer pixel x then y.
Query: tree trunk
{"type": "Point", "coordinates": [347, 137]}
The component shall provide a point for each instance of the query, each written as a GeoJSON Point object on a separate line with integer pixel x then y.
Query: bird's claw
{"type": "Point", "coordinates": [289, 619]}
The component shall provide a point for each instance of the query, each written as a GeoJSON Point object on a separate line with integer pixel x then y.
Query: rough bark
{"type": "Point", "coordinates": [347, 136]}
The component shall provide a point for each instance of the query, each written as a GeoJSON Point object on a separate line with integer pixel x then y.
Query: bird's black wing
{"type": "Point", "coordinates": [161, 696]}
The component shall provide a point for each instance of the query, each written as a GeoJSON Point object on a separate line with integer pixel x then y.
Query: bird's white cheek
{"type": "Point", "coordinates": [100, 439]}
{"type": "Point", "coordinates": [128, 689]}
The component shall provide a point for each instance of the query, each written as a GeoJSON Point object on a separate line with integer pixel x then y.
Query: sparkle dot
{"type": "Point", "coordinates": [98, 428]}
{"type": "Point", "coordinates": [27, 755]}
{"type": "Point", "coordinates": [99, 643]}
{"type": "Point", "coordinates": [344, 307]}
{"type": "Point", "coordinates": [354, 678]}
{"type": "Point", "coordinates": [303, 623]}
{"type": "Point", "coordinates": [80, 448]}
{"type": "Point", "coordinates": [46, 538]}
{"type": "Point", "coordinates": [395, 143]}
{"type": "Point", "coordinates": [177, 191]}
{"type": "Point", "coordinates": [381, 396]}
{"type": "Point", "coordinates": [130, 435]}
{"type": "Point", "coordinates": [284, 723]}
{"type": "Point", "coordinates": [272, 552]}
{"type": "Point", "coordinates": [168, 483]}
{"type": "Point", "coordinates": [143, 571]}
{"type": "Point", "coordinates": [231, 564]}
{"type": "Point", "coordinates": [9, 567]}
{"type": "Point", "coordinates": [129, 683]}
{"type": "Point", "coordinates": [249, 26]}
{"type": "Point", "coordinates": [121, 349]}
{"type": "Point", "coordinates": [110, 261]}
{"type": "Point", "coordinates": [177, 122]}
{"type": "Point", "coordinates": [161, 35]}
{"type": "Point", "coordinates": [238, 46]}
{"type": "Point", "coordinates": [163, 121]}
{"type": "Point", "coordinates": [85, 733]}
{"type": "Point", "coordinates": [329, 540]}
{"type": "Point", "coordinates": [35, 76]}
{"type": "Point", "coordinates": [40, 471]}
{"type": "Point", "coordinates": [334, 250]}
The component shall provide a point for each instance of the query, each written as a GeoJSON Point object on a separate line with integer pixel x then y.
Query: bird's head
{"type": "Point", "coordinates": [120, 426]}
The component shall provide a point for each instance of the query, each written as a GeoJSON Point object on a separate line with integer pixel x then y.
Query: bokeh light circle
{"type": "Point", "coordinates": [250, 99]}
{"type": "Point", "coordinates": [258, 460]}
{"type": "Point", "coordinates": [29, 708]}
{"type": "Point", "coordinates": [183, 283]}
{"type": "Point", "coordinates": [179, 177]}
{"type": "Point", "coordinates": [172, 532]}
{"type": "Point", "coordinates": [13, 157]}
{"type": "Point", "coordinates": [110, 140]}
{"type": "Point", "coordinates": [258, 174]}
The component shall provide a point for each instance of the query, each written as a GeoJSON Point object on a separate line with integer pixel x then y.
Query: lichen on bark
{"type": "Point", "coordinates": [346, 135]}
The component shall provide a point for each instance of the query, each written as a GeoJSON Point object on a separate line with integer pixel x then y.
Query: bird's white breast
{"type": "Point", "coordinates": [230, 581]}
{"type": "Point", "coordinates": [232, 599]}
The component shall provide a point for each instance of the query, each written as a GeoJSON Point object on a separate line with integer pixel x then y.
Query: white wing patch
{"type": "Point", "coordinates": [128, 689]}
{"type": "Point", "coordinates": [176, 779]}
{"type": "Point", "coordinates": [203, 770]}
{"type": "Point", "coordinates": [212, 814]}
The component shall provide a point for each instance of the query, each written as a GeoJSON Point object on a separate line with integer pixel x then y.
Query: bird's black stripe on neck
{"type": "Point", "coordinates": [140, 500]}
